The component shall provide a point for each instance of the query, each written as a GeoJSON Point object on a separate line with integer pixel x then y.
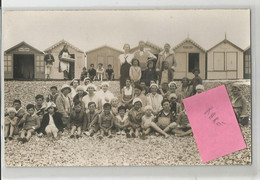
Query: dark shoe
{"type": "Point", "coordinates": [110, 136]}
{"type": "Point", "coordinates": [19, 139]}
{"type": "Point", "coordinates": [142, 137]}
{"type": "Point", "coordinates": [10, 138]}
{"type": "Point", "coordinates": [100, 137]}
{"type": "Point", "coordinates": [128, 135]}
{"type": "Point", "coordinates": [91, 134]}
{"type": "Point", "coordinates": [78, 136]}
{"type": "Point", "coordinates": [24, 140]}
{"type": "Point", "coordinates": [133, 135]}
{"type": "Point", "coordinates": [72, 136]}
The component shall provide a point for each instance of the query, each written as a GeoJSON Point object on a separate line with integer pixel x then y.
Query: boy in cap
{"type": "Point", "coordinates": [64, 104]}
{"type": "Point", "coordinates": [11, 121]}
{"type": "Point", "coordinates": [30, 122]}
{"type": "Point", "coordinates": [135, 117]}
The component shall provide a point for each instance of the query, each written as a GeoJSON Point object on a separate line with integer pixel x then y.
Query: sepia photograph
{"type": "Point", "coordinates": [115, 87]}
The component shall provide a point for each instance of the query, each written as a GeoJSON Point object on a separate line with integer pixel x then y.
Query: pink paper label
{"type": "Point", "coordinates": [214, 123]}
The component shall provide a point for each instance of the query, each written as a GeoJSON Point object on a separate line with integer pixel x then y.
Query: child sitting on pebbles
{"type": "Point", "coordinates": [51, 122]}
{"type": "Point", "coordinates": [106, 120]}
{"type": "Point", "coordinates": [77, 118]}
{"type": "Point", "coordinates": [31, 122]}
{"type": "Point", "coordinates": [90, 124]}
{"type": "Point", "coordinates": [114, 105]}
{"type": "Point", "coordinates": [148, 123]}
{"type": "Point", "coordinates": [122, 121]}
{"type": "Point", "coordinates": [11, 122]}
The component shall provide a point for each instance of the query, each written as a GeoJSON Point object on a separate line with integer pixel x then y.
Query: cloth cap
{"type": "Point", "coordinates": [64, 86]}
{"type": "Point", "coordinates": [11, 109]}
{"type": "Point", "coordinates": [80, 88]}
{"type": "Point", "coordinates": [50, 104]}
{"type": "Point", "coordinates": [137, 100]}
{"type": "Point", "coordinates": [199, 87]}
{"type": "Point", "coordinates": [153, 84]}
{"type": "Point", "coordinates": [172, 82]}
{"type": "Point", "coordinates": [148, 107]}
{"type": "Point", "coordinates": [172, 95]}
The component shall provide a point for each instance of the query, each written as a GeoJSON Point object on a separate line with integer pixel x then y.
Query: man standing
{"type": "Point", "coordinates": [64, 104]}
{"type": "Point", "coordinates": [49, 59]}
{"type": "Point", "coordinates": [166, 55]}
{"type": "Point", "coordinates": [143, 56]}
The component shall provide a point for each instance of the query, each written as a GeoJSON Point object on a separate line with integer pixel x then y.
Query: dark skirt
{"type": "Point", "coordinates": [124, 74]}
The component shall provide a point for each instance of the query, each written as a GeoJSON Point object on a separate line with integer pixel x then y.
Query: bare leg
{"type": "Point", "coordinates": [184, 133]}
{"type": "Point", "coordinates": [137, 133]}
{"type": "Point", "coordinates": [7, 130]}
{"type": "Point", "coordinates": [11, 131]}
{"type": "Point", "coordinates": [79, 131]}
{"type": "Point", "coordinates": [170, 127]}
{"type": "Point", "coordinates": [29, 134]}
{"type": "Point", "coordinates": [23, 133]}
{"type": "Point", "coordinates": [109, 133]}
{"type": "Point", "coordinates": [159, 130]}
{"type": "Point", "coordinates": [147, 131]}
{"type": "Point", "coordinates": [73, 129]}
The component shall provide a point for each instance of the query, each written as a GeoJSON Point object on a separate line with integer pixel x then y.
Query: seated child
{"type": "Point", "coordinates": [92, 72]}
{"type": "Point", "coordinates": [106, 121]}
{"type": "Point", "coordinates": [100, 72]}
{"type": "Point", "coordinates": [165, 119]}
{"type": "Point", "coordinates": [139, 94]}
{"type": "Point", "coordinates": [175, 106]}
{"type": "Point", "coordinates": [164, 89]}
{"type": "Point", "coordinates": [77, 117]}
{"type": "Point", "coordinates": [154, 99]}
{"type": "Point", "coordinates": [31, 122]}
{"type": "Point", "coordinates": [199, 89]}
{"type": "Point", "coordinates": [109, 73]}
{"type": "Point", "coordinates": [183, 128]}
{"type": "Point", "coordinates": [83, 74]}
{"type": "Point", "coordinates": [144, 87]}
{"type": "Point", "coordinates": [90, 124]}
{"type": "Point", "coordinates": [148, 123]}
{"type": "Point", "coordinates": [122, 121]}
{"type": "Point", "coordinates": [39, 106]}
{"type": "Point", "coordinates": [53, 95]}
{"type": "Point", "coordinates": [51, 122]}
{"type": "Point", "coordinates": [114, 105]}
{"type": "Point", "coordinates": [11, 122]}
{"type": "Point", "coordinates": [195, 81]}
{"type": "Point", "coordinates": [20, 111]}
{"type": "Point", "coordinates": [135, 117]}
{"type": "Point", "coordinates": [127, 94]}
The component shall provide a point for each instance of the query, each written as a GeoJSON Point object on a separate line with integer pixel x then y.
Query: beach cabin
{"type": "Point", "coordinates": [225, 61]}
{"type": "Point", "coordinates": [189, 55]}
{"type": "Point", "coordinates": [75, 67]}
{"type": "Point", "coordinates": [24, 62]}
{"type": "Point", "coordinates": [247, 63]}
{"type": "Point", "coordinates": [154, 49]}
{"type": "Point", "coordinates": [105, 55]}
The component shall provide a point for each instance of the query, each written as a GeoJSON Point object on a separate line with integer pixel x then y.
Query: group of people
{"type": "Point", "coordinates": [150, 102]}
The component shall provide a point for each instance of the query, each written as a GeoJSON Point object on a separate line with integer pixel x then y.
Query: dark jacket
{"type": "Point", "coordinates": [57, 121]}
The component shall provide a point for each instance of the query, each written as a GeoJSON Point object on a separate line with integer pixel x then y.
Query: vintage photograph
{"type": "Point", "coordinates": [106, 87]}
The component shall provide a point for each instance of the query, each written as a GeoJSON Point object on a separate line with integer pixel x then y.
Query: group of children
{"type": "Point", "coordinates": [98, 74]}
{"type": "Point", "coordinates": [82, 109]}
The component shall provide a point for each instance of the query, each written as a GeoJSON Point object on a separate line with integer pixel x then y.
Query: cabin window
{"type": "Point", "coordinates": [193, 61]}
{"type": "Point", "coordinates": [8, 65]}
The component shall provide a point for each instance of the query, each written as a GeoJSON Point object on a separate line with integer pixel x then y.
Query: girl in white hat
{"type": "Point", "coordinates": [10, 123]}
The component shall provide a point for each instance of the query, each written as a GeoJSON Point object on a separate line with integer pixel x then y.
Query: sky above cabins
{"type": "Point", "coordinates": [91, 29]}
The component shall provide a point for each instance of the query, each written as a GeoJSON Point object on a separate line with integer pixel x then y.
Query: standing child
{"type": "Point", "coordinates": [166, 74]}
{"type": "Point", "coordinates": [183, 128]}
{"type": "Point", "coordinates": [77, 118]}
{"type": "Point", "coordinates": [83, 74]}
{"type": "Point", "coordinates": [106, 120]}
{"type": "Point", "coordinates": [100, 72]}
{"type": "Point", "coordinates": [92, 72]}
{"type": "Point", "coordinates": [196, 80]}
{"type": "Point", "coordinates": [135, 117]}
{"type": "Point", "coordinates": [148, 123]}
{"type": "Point", "coordinates": [53, 94]}
{"type": "Point", "coordinates": [51, 122]}
{"type": "Point", "coordinates": [122, 121]}
{"type": "Point", "coordinates": [90, 124]}
{"type": "Point", "coordinates": [109, 73]}
{"type": "Point", "coordinates": [11, 126]}
{"type": "Point", "coordinates": [135, 72]}
{"type": "Point", "coordinates": [150, 73]}
{"type": "Point", "coordinates": [30, 122]}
